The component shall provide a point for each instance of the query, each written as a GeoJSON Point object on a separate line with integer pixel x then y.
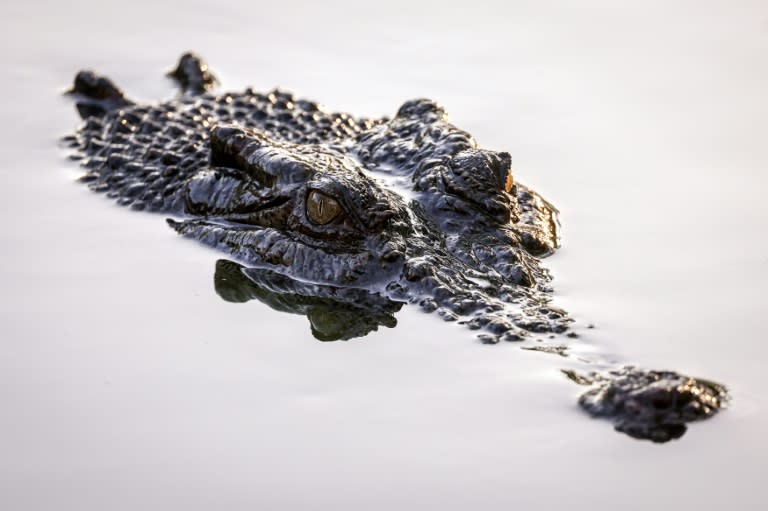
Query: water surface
{"type": "Point", "coordinates": [128, 384]}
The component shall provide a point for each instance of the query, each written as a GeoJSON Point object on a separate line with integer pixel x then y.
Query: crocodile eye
{"type": "Point", "coordinates": [321, 208]}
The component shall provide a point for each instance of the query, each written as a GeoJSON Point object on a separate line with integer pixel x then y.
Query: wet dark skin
{"type": "Point", "coordinates": [303, 198]}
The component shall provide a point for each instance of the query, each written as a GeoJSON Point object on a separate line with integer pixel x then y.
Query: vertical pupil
{"type": "Point", "coordinates": [321, 209]}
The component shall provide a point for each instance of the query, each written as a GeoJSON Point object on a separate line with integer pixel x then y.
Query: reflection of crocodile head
{"type": "Point", "coordinates": [330, 211]}
{"type": "Point", "coordinates": [334, 313]}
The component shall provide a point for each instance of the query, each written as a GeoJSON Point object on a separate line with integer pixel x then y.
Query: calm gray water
{"type": "Point", "coordinates": [126, 383]}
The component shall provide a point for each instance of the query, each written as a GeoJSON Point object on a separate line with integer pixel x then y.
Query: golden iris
{"type": "Point", "coordinates": [321, 209]}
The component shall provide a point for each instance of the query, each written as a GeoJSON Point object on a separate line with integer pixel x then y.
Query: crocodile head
{"type": "Point", "coordinates": [303, 209]}
{"type": "Point", "coordinates": [295, 192]}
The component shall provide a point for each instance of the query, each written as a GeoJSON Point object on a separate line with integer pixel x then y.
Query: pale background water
{"type": "Point", "coordinates": [127, 384]}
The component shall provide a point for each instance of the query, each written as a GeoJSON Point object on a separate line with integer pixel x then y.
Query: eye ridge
{"type": "Point", "coordinates": [321, 208]}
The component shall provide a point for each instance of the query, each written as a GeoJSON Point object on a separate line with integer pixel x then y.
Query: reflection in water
{"type": "Point", "coordinates": [652, 405]}
{"type": "Point", "coordinates": [334, 313]}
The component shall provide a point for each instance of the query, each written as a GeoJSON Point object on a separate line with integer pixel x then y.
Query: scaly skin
{"type": "Point", "coordinates": [305, 198]}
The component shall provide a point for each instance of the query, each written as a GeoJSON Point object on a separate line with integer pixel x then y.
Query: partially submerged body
{"type": "Point", "coordinates": [302, 196]}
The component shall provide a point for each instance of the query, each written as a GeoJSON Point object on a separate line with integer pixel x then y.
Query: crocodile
{"type": "Point", "coordinates": [345, 219]}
